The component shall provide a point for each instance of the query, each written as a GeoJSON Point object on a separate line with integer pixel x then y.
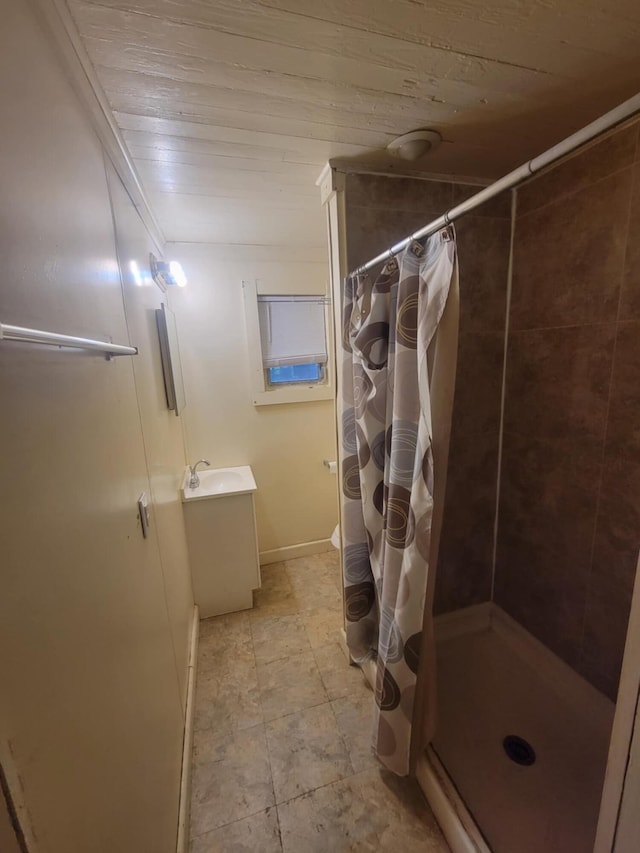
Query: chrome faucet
{"type": "Point", "coordinates": [194, 480]}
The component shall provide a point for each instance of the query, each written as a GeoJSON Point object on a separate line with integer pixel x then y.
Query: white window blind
{"type": "Point", "coordinates": [292, 330]}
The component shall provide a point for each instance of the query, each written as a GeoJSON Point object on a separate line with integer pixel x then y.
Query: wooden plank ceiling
{"type": "Point", "coordinates": [230, 108]}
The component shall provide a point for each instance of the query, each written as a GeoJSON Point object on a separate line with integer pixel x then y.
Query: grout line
{"type": "Point", "coordinates": [264, 722]}
{"type": "Point", "coordinates": [231, 822]}
{"type": "Point", "coordinates": [566, 198]}
{"type": "Point", "coordinates": [342, 737]}
{"type": "Point", "coordinates": [593, 324]}
{"type": "Point", "coordinates": [503, 390]}
{"type": "Point", "coordinates": [581, 655]}
{"type": "Point", "coordinates": [329, 784]}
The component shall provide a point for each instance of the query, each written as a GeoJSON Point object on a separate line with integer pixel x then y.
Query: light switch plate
{"type": "Point", "coordinates": [143, 510]}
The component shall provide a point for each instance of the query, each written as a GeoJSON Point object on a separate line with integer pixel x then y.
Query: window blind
{"type": "Point", "coordinates": [292, 330]}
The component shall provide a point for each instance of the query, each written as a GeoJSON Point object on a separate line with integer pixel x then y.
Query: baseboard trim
{"type": "Point", "coordinates": [454, 819]}
{"type": "Point", "coordinates": [290, 552]}
{"type": "Point", "coordinates": [182, 844]}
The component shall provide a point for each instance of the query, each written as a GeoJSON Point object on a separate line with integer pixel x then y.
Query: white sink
{"type": "Point", "coordinates": [218, 482]}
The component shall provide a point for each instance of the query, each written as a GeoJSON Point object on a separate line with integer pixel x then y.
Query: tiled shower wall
{"type": "Point", "coordinates": [569, 522]}
{"type": "Point", "coordinates": [379, 212]}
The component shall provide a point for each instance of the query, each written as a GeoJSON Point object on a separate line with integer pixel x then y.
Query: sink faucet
{"type": "Point", "coordinates": [194, 480]}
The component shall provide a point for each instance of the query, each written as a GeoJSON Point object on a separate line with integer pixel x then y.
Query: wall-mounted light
{"type": "Point", "coordinates": [167, 274]}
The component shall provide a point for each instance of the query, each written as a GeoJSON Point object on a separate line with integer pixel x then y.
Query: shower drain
{"type": "Point", "coordinates": [519, 750]}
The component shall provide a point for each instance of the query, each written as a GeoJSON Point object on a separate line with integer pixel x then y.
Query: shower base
{"type": "Point", "coordinates": [496, 680]}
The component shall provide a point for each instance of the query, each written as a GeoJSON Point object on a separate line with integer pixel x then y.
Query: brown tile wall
{"type": "Point", "coordinates": [569, 523]}
{"type": "Point", "coordinates": [380, 211]}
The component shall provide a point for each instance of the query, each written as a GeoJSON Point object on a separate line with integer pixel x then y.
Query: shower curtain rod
{"type": "Point", "coordinates": [615, 116]}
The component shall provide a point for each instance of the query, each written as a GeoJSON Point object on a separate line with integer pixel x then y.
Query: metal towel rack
{"type": "Point", "coordinates": [37, 336]}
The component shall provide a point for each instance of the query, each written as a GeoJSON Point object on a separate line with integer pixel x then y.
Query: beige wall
{"type": "Point", "coordinates": [92, 630]}
{"type": "Point", "coordinates": [284, 444]}
{"type": "Point", "coordinates": [162, 430]}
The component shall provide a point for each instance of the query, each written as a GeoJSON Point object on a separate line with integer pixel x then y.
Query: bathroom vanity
{"type": "Point", "coordinates": [220, 523]}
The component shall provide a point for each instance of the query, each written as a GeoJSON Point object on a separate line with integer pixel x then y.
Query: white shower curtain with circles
{"type": "Point", "coordinates": [387, 473]}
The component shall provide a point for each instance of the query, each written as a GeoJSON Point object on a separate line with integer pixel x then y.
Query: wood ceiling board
{"type": "Point", "coordinates": [227, 133]}
{"type": "Point", "coordinates": [171, 106]}
{"type": "Point", "coordinates": [213, 96]}
{"type": "Point", "coordinates": [160, 96]}
{"type": "Point", "coordinates": [214, 187]}
{"type": "Point", "coordinates": [290, 152]}
{"type": "Point", "coordinates": [305, 172]}
{"type": "Point", "coordinates": [549, 36]}
{"type": "Point", "coordinates": [448, 158]}
{"type": "Point", "coordinates": [217, 196]}
{"type": "Point", "coordinates": [138, 42]}
{"type": "Point", "coordinates": [159, 143]}
{"type": "Point", "coordinates": [299, 98]}
{"type": "Point", "coordinates": [386, 30]}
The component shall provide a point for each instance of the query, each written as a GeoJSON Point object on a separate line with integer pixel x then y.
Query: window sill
{"type": "Point", "coordinates": [297, 394]}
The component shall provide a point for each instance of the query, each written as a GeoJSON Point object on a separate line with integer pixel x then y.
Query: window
{"type": "Point", "coordinates": [288, 350]}
{"type": "Point", "coordinates": [287, 374]}
{"type": "Point", "coordinates": [293, 338]}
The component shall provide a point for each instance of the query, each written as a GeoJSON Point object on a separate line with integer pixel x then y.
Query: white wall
{"type": "Point", "coordinates": [93, 618]}
{"type": "Point", "coordinates": [284, 444]}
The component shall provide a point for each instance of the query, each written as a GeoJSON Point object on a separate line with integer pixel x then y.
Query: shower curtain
{"type": "Point", "coordinates": [388, 473]}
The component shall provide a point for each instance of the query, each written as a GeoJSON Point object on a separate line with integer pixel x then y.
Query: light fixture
{"type": "Point", "coordinates": [412, 146]}
{"type": "Point", "coordinates": [167, 274]}
{"type": "Point", "coordinates": [177, 273]}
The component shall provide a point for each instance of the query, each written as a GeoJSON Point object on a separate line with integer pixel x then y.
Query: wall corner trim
{"type": "Point", "coordinates": [57, 18]}
{"type": "Point", "coordinates": [182, 844]}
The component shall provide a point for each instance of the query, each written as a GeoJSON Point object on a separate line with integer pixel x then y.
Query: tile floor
{"type": "Point", "coordinates": [282, 761]}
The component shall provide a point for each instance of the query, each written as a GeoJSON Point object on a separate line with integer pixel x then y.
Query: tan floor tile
{"type": "Point", "coordinates": [231, 779]}
{"type": "Point", "coordinates": [322, 625]}
{"type": "Point", "coordinates": [275, 597]}
{"type": "Point", "coordinates": [259, 833]}
{"type": "Point", "coordinates": [330, 562]}
{"type": "Point", "coordinates": [276, 637]}
{"type": "Point", "coordinates": [223, 635]}
{"type": "Point", "coordinates": [330, 656]}
{"type": "Point", "coordinates": [306, 752]}
{"type": "Point", "coordinates": [214, 662]}
{"type": "Point", "coordinates": [354, 717]}
{"type": "Point", "coordinates": [228, 699]}
{"type": "Point", "coordinates": [314, 589]}
{"type": "Point", "coordinates": [339, 677]}
{"type": "Point", "coordinates": [373, 811]}
{"type": "Point", "coordinates": [290, 684]}
{"type": "Point", "coordinates": [310, 568]}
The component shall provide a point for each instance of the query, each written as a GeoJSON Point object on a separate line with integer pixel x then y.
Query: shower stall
{"type": "Point", "coordinates": [541, 526]}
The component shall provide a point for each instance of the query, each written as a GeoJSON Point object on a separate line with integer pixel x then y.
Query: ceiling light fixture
{"type": "Point", "coordinates": [412, 146]}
